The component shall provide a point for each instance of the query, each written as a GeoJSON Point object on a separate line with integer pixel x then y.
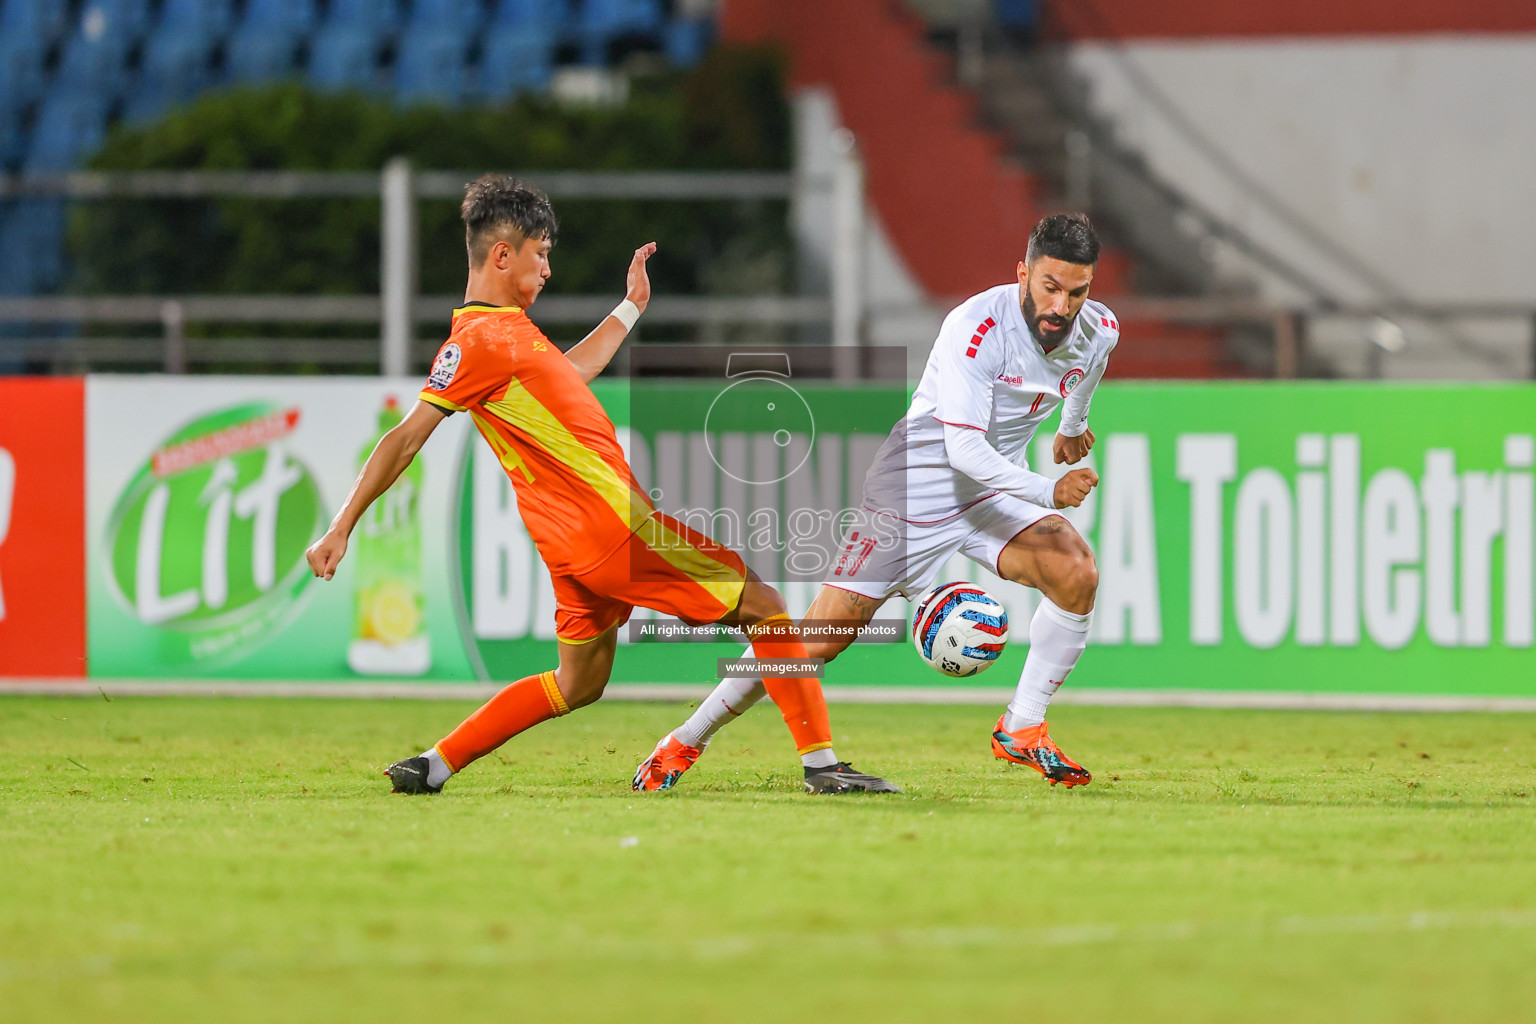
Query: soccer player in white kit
{"type": "Point", "coordinates": [952, 476]}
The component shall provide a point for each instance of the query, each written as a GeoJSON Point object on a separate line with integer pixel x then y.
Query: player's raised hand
{"type": "Point", "coordinates": [639, 282]}
{"type": "Point", "coordinates": [326, 553]}
{"type": "Point", "coordinates": [1072, 449]}
{"type": "Point", "coordinates": [1074, 487]}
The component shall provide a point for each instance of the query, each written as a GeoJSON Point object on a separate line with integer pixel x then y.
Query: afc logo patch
{"type": "Point", "coordinates": [1073, 378]}
{"type": "Point", "coordinates": [444, 367]}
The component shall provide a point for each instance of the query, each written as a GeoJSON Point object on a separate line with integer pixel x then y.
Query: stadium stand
{"type": "Point", "coordinates": [269, 39]}
{"type": "Point", "coordinates": [990, 198]}
{"type": "Point", "coordinates": [69, 69]}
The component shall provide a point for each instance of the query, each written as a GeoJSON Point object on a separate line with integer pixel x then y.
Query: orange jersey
{"type": "Point", "coordinates": [575, 491]}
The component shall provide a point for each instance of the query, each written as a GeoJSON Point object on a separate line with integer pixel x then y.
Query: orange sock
{"type": "Point", "coordinates": [799, 699]}
{"type": "Point", "coordinates": [520, 706]}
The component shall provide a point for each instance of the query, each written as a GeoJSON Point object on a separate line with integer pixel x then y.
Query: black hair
{"type": "Point", "coordinates": [496, 202]}
{"type": "Point", "coordinates": [1068, 237]}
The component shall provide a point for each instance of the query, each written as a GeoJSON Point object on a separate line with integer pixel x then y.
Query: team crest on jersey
{"type": "Point", "coordinates": [444, 367]}
{"type": "Point", "coordinates": [1073, 378]}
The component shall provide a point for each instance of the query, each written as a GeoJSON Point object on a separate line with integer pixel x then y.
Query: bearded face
{"type": "Point", "coordinates": [1054, 293]}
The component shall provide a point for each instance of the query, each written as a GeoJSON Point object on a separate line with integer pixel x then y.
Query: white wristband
{"type": "Point", "coordinates": [626, 313]}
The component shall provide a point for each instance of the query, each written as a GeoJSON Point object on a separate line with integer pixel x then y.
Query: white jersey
{"type": "Point", "coordinates": [986, 371]}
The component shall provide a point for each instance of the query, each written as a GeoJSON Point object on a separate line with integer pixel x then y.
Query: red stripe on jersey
{"type": "Point", "coordinates": [1036, 407]}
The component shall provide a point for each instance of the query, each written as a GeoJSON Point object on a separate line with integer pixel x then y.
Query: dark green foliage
{"type": "Point", "coordinates": [729, 113]}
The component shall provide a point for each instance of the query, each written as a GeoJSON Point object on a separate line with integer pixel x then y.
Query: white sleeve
{"type": "Point", "coordinates": [967, 370]}
{"type": "Point", "coordinates": [1074, 411]}
{"type": "Point", "coordinates": [971, 453]}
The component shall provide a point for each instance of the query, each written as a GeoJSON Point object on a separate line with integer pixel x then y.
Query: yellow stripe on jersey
{"type": "Point", "coordinates": [441, 402]}
{"type": "Point", "coordinates": [507, 455]}
{"type": "Point", "coordinates": [520, 409]}
{"type": "Point", "coordinates": [720, 581]}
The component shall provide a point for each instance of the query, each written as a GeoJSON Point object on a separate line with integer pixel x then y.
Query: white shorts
{"type": "Point", "coordinates": [882, 555]}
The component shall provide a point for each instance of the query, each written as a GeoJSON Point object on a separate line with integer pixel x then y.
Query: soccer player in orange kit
{"type": "Point", "coordinates": [606, 545]}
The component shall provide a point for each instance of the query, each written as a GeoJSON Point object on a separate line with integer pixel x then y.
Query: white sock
{"type": "Point", "coordinates": [1056, 641]}
{"type": "Point", "coordinates": [729, 700]}
{"type": "Point", "coordinates": [824, 758]}
{"type": "Point", "coordinates": [438, 771]}
{"type": "Point", "coordinates": [733, 696]}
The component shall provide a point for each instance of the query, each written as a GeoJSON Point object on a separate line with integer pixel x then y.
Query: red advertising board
{"type": "Point", "coordinates": [42, 526]}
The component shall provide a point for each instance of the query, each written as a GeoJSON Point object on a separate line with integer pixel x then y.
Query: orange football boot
{"type": "Point", "coordinates": [1033, 746]}
{"type": "Point", "coordinates": [665, 765]}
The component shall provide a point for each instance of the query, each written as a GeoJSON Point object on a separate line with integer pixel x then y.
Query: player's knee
{"type": "Point", "coordinates": [759, 601]}
{"type": "Point", "coordinates": [826, 650]}
{"type": "Point", "coordinates": [1078, 578]}
{"type": "Point", "coordinates": [579, 689]}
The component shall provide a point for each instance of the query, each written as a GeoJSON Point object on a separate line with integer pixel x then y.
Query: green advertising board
{"type": "Point", "coordinates": [202, 496]}
{"type": "Point", "coordinates": [1344, 538]}
{"type": "Point", "coordinates": [1250, 536]}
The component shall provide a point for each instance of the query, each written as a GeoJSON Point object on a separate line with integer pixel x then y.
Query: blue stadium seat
{"type": "Point", "coordinates": [554, 15]}
{"type": "Point", "coordinates": [687, 39]}
{"type": "Point", "coordinates": [12, 138]}
{"type": "Point", "coordinates": [39, 20]}
{"type": "Point", "coordinates": [266, 43]}
{"type": "Point", "coordinates": [21, 70]}
{"type": "Point", "coordinates": [376, 16]}
{"type": "Point", "coordinates": [432, 65]}
{"type": "Point", "coordinates": [205, 17]}
{"type": "Point", "coordinates": [297, 15]}
{"type": "Point", "coordinates": [115, 17]}
{"type": "Point", "coordinates": [32, 238]}
{"type": "Point", "coordinates": [462, 16]}
{"type": "Point", "coordinates": [96, 55]}
{"type": "Point", "coordinates": [519, 46]}
{"type": "Point", "coordinates": [604, 22]}
{"type": "Point", "coordinates": [177, 62]}
{"type": "Point", "coordinates": [27, 29]}
{"type": "Point", "coordinates": [70, 125]}
{"type": "Point", "coordinates": [431, 68]}
{"type": "Point", "coordinates": [342, 58]}
{"type": "Point", "coordinates": [515, 60]}
{"type": "Point", "coordinates": [345, 54]}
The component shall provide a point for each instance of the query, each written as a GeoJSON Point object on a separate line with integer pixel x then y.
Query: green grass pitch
{"type": "Point", "coordinates": [240, 860]}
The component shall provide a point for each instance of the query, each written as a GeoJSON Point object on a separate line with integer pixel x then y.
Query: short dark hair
{"type": "Point", "coordinates": [496, 202]}
{"type": "Point", "coordinates": [1068, 237]}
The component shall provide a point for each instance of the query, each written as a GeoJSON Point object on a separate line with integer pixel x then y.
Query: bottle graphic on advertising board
{"type": "Point", "coordinates": [389, 635]}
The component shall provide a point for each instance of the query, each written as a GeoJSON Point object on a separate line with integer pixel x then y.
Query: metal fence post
{"type": "Point", "coordinates": [847, 241]}
{"type": "Point", "coordinates": [397, 277]}
{"type": "Point", "coordinates": [173, 319]}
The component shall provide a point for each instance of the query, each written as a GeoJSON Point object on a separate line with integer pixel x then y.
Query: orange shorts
{"type": "Point", "coordinates": [664, 565]}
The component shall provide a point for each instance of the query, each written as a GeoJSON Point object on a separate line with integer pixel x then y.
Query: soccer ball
{"type": "Point", "coordinates": [959, 629]}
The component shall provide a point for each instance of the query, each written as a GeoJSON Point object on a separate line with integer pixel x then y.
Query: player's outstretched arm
{"type": "Point", "coordinates": [391, 455]}
{"type": "Point", "coordinates": [594, 351]}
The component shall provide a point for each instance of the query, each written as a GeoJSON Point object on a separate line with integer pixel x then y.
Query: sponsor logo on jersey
{"type": "Point", "coordinates": [1017, 380]}
{"type": "Point", "coordinates": [1071, 380]}
{"type": "Point", "coordinates": [444, 367]}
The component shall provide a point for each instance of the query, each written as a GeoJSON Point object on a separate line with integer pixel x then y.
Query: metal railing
{"type": "Point", "coordinates": [398, 309]}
